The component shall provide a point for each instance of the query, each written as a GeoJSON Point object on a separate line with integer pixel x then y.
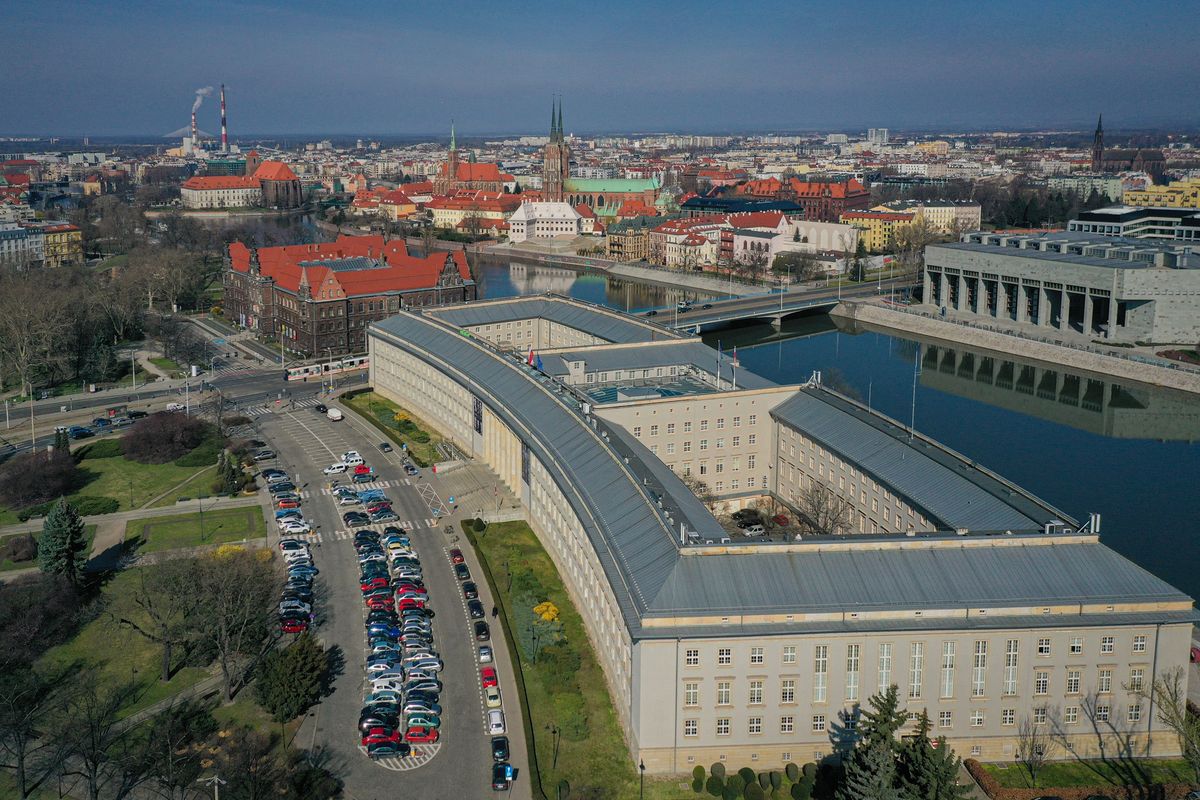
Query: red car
{"type": "Point", "coordinates": [380, 601]}
{"type": "Point", "coordinates": [378, 582]}
{"type": "Point", "coordinates": [780, 519]}
{"type": "Point", "coordinates": [456, 556]}
{"type": "Point", "coordinates": [362, 469]}
{"type": "Point", "coordinates": [406, 588]}
{"type": "Point", "coordinates": [293, 626]}
{"type": "Point", "coordinates": [421, 735]}
{"type": "Point", "coordinates": [1195, 653]}
{"type": "Point", "coordinates": [381, 735]}
{"type": "Point", "coordinates": [383, 505]}
{"type": "Point", "coordinates": [487, 677]}
{"type": "Point", "coordinates": [410, 602]}
{"type": "Point", "coordinates": [287, 504]}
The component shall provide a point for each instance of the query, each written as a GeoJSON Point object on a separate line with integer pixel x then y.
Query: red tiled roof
{"type": "Point", "coordinates": [20, 162]}
{"type": "Point", "coordinates": [757, 219]}
{"type": "Point", "coordinates": [208, 182]}
{"type": "Point", "coordinates": [850, 188]}
{"type": "Point", "coordinates": [481, 172]}
{"type": "Point", "coordinates": [768, 187]}
{"type": "Point", "coordinates": [585, 212]}
{"type": "Point", "coordinates": [636, 208]}
{"type": "Point", "coordinates": [419, 187]}
{"type": "Point", "coordinates": [274, 171]}
{"type": "Point", "coordinates": [16, 178]}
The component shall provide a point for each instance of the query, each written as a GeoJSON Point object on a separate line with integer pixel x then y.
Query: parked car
{"type": "Point", "coordinates": [461, 572]}
{"type": "Point", "coordinates": [143, 415]}
{"type": "Point", "coordinates": [470, 590]}
{"type": "Point", "coordinates": [334, 469]}
{"type": "Point", "coordinates": [293, 625]}
{"type": "Point", "coordinates": [79, 432]}
{"type": "Point", "coordinates": [389, 750]}
{"type": "Point", "coordinates": [385, 447]}
{"type": "Point", "coordinates": [121, 422]}
{"type": "Point", "coordinates": [482, 632]}
{"type": "Point", "coordinates": [456, 556]}
{"type": "Point", "coordinates": [496, 722]}
{"type": "Point", "coordinates": [175, 407]}
{"type": "Point", "coordinates": [485, 654]}
{"type": "Point", "coordinates": [487, 677]}
{"type": "Point", "coordinates": [475, 609]}
{"type": "Point", "coordinates": [264, 455]}
{"type": "Point", "coordinates": [421, 735]}
{"type": "Point", "coordinates": [500, 748]}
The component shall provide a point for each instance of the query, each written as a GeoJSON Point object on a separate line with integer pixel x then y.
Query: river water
{"type": "Point", "coordinates": [1081, 442]}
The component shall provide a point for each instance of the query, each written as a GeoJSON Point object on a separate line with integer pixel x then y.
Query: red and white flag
{"type": "Point", "coordinates": [529, 361]}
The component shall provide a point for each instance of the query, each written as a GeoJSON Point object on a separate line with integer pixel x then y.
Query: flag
{"type": "Point", "coordinates": [529, 360]}
{"type": "Point", "coordinates": [539, 363]}
{"type": "Point", "coordinates": [735, 361]}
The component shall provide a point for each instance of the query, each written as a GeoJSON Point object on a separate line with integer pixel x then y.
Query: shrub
{"type": "Point", "coordinates": [571, 714]}
{"type": "Point", "coordinates": [19, 548]}
{"type": "Point", "coordinates": [735, 782]}
{"type": "Point", "coordinates": [697, 785]}
{"type": "Point", "coordinates": [478, 525]}
{"type": "Point", "coordinates": [88, 505]}
{"type": "Point", "coordinates": [36, 478]}
{"type": "Point", "coordinates": [747, 775]}
{"type": "Point", "coordinates": [698, 773]}
{"type": "Point", "coordinates": [714, 786]}
{"type": "Point", "coordinates": [164, 437]}
{"type": "Point", "coordinates": [754, 791]}
{"type": "Point", "coordinates": [105, 448]}
{"type": "Point", "coordinates": [204, 455]}
{"type": "Point", "coordinates": [234, 421]}
{"type": "Point", "coordinates": [793, 772]}
{"type": "Point", "coordinates": [718, 769]}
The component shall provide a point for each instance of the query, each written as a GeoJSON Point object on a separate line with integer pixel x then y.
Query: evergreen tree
{"type": "Point", "coordinates": [291, 680]}
{"type": "Point", "coordinates": [926, 771]}
{"type": "Point", "coordinates": [62, 550]}
{"type": "Point", "coordinates": [879, 725]}
{"type": "Point", "coordinates": [870, 774]}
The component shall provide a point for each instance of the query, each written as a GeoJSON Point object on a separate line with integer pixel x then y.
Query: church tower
{"type": "Point", "coordinates": [1098, 146]}
{"type": "Point", "coordinates": [556, 162]}
{"type": "Point", "coordinates": [447, 182]}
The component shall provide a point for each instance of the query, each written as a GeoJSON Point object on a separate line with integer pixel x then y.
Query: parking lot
{"type": "Point", "coordinates": [460, 763]}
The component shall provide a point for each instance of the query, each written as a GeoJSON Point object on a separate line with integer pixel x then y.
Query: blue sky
{"type": "Point", "coordinates": [303, 67]}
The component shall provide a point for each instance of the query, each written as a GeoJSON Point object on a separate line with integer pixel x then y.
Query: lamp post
{"type": "Point", "coordinates": [642, 779]}
{"type": "Point", "coordinates": [329, 362]}
{"type": "Point", "coordinates": [215, 782]}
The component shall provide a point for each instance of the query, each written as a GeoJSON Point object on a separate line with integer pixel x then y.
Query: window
{"type": "Point", "coordinates": [1043, 647]}
{"type": "Point", "coordinates": [1106, 644]}
{"type": "Point", "coordinates": [670, 428]}
{"type": "Point", "coordinates": [1041, 683]}
{"type": "Point", "coordinates": [687, 447]}
{"type": "Point", "coordinates": [1076, 645]}
{"type": "Point", "coordinates": [789, 654]}
{"type": "Point", "coordinates": [654, 430]}
{"type": "Point", "coordinates": [703, 424]}
{"type": "Point", "coordinates": [1008, 716]}
{"type": "Point", "coordinates": [756, 655]}
{"type": "Point", "coordinates": [637, 431]}
{"type": "Point", "coordinates": [787, 690]}
{"type": "Point", "coordinates": [704, 444]}
{"type": "Point", "coordinates": [754, 725]}
{"type": "Point", "coordinates": [755, 697]}
{"type": "Point", "coordinates": [1103, 712]}
{"type": "Point", "coordinates": [820, 672]}
{"type": "Point", "coordinates": [753, 419]}
{"type": "Point", "coordinates": [787, 724]}
{"type": "Point", "coordinates": [1104, 683]}
{"type": "Point", "coordinates": [723, 693]}
{"type": "Point", "coordinates": [737, 441]}
{"type": "Point", "coordinates": [1135, 712]}
{"type": "Point", "coordinates": [818, 723]}
{"type": "Point", "coordinates": [1010, 667]}
{"type": "Point", "coordinates": [1073, 680]}
{"type": "Point", "coordinates": [670, 448]}
{"type": "Point", "coordinates": [691, 728]}
{"type": "Point", "coordinates": [945, 719]}
{"type": "Point", "coordinates": [1137, 677]}
{"type": "Point", "coordinates": [722, 726]}
{"type": "Point", "coordinates": [687, 427]}
{"type": "Point", "coordinates": [885, 665]}
{"type": "Point", "coordinates": [1071, 715]}
{"type": "Point", "coordinates": [948, 669]}
{"type": "Point", "coordinates": [852, 671]}
{"type": "Point", "coordinates": [916, 668]}
{"type": "Point", "coordinates": [720, 423]}
{"type": "Point", "coordinates": [1039, 715]}
{"type": "Point", "coordinates": [752, 439]}
{"type": "Point", "coordinates": [979, 669]}
{"type": "Point", "coordinates": [691, 658]}
{"type": "Point", "coordinates": [750, 461]}
{"type": "Point", "coordinates": [1139, 644]}
{"type": "Point", "coordinates": [724, 656]}
{"type": "Point", "coordinates": [691, 694]}
{"type": "Point", "coordinates": [977, 718]}
{"type": "Point", "coordinates": [737, 422]}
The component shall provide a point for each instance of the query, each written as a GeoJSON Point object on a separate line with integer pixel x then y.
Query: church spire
{"type": "Point", "coordinates": [452, 144]}
{"type": "Point", "coordinates": [560, 125]}
{"type": "Point", "coordinates": [553, 130]}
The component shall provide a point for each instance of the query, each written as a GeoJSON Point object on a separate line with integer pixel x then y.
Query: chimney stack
{"type": "Point", "coordinates": [224, 130]}
{"type": "Point", "coordinates": [195, 136]}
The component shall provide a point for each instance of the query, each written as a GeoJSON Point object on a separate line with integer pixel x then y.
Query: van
{"type": "Point", "coordinates": [754, 530]}
{"type": "Point", "coordinates": [334, 414]}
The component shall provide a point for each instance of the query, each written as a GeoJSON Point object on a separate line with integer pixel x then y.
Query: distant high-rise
{"type": "Point", "coordinates": [556, 160]}
{"type": "Point", "coordinates": [877, 135]}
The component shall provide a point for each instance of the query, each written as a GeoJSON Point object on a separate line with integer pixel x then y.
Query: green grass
{"type": "Point", "coordinates": [120, 654]}
{"type": "Point", "coordinates": [183, 530]}
{"type": "Point", "coordinates": [8, 517]}
{"type": "Point", "coordinates": [89, 531]}
{"type": "Point", "coordinates": [8, 788]}
{"type": "Point", "coordinates": [1055, 774]}
{"type": "Point", "coordinates": [599, 759]}
{"type": "Point", "coordinates": [130, 483]}
{"type": "Point", "coordinates": [381, 412]}
{"type": "Point", "coordinates": [199, 485]}
{"type": "Point", "coordinates": [167, 365]}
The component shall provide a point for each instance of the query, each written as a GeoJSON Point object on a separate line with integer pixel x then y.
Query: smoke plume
{"type": "Point", "coordinates": [200, 95]}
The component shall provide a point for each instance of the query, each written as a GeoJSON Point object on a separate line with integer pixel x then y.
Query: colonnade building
{"type": "Point", "coordinates": [985, 605]}
{"type": "Point", "coordinates": [1126, 290]}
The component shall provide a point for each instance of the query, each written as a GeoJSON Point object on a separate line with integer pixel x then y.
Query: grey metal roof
{"type": "Point", "coordinates": [604, 323]}
{"type": "Point", "coordinates": [949, 490]}
{"type": "Point", "coordinates": [651, 356]}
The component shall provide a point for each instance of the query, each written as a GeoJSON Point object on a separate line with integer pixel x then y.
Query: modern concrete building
{"type": "Point", "coordinates": [1177, 224]}
{"type": "Point", "coordinates": [984, 604]}
{"type": "Point", "coordinates": [1126, 290]}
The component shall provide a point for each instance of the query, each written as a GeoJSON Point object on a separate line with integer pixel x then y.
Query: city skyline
{"type": "Point", "coordinates": [367, 70]}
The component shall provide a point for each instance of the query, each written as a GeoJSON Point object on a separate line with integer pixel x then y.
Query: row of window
{"type": "Point", "coordinates": [735, 422]}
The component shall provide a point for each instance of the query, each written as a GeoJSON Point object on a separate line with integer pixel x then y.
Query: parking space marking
{"type": "Point", "coordinates": [421, 755]}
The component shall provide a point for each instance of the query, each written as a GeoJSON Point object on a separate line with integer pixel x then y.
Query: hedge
{"type": "Point", "coordinates": [203, 455]}
{"type": "Point", "coordinates": [105, 448]}
{"type": "Point", "coordinates": [992, 788]}
{"type": "Point", "coordinates": [87, 505]}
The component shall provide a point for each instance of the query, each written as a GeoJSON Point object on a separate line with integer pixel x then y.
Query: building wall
{"type": "Point", "coordinates": [538, 334]}
{"type": "Point", "coordinates": [982, 710]}
{"type": "Point", "coordinates": [1177, 194]}
{"type": "Point", "coordinates": [220, 198]}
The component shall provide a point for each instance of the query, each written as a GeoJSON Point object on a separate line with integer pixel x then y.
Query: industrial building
{"type": "Point", "coordinates": [985, 605]}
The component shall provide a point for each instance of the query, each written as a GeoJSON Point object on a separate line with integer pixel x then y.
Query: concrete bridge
{"type": "Point", "coordinates": [772, 307]}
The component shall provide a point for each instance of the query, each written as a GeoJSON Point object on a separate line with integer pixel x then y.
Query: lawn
{"type": "Point", "coordinates": [1056, 774]}
{"type": "Point", "coordinates": [121, 654]}
{"type": "Point", "coordinates": [89, 531]}
{"type": "Point", "coordinates": [167, 365]}
{"type": "Point", "coordinates": [130, 483]}
{"type": "Point", "coordinates": [381, 412]}
{"type": "Point", "coordinates": [199, 485]}
{"type": "Point", "coordinates": [183, 530]}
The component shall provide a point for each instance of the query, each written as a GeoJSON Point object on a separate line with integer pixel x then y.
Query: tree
{"type": "Point", "coordinates": [163, 437]}
{"type": "Point", "coordinates": [802, 266]}
{"type": "Point", "coordinates": [162, 607]}
{"type": "Point", "coordinates": [175, 754]}
{"type": "Point", "coordinates": [699, 488]}
{"type": "Point", "coordinates": [822, 510]}
{"type": "Point", "coordinates": [62, 550]}
{"type": "Point", "coordinates": [910, 241]}
{"type": "Point", "coordinates": [1168, 696]}
{"type": "Point", "coordinates": [36, 613]}
{"type": "Point", "coordinates": [870, 774]}
{"type": "Point", "coordinates": [858, 265]}
{"type": "Point", "coordinates": [98, 747]}
{"type": "Point", "coordinates": [236, 589]}
{"type": "Point", "coordinates": [31, 321]}
{"type": "Point", "coordinates": [32, 478]}
{"type": "Point", "coordinates": [929, 770]}
{"type": "Point", "coordinates": [1033, 746]}
{"type": "Point", "coordinates": [27, 699]}
{"type": "Point", "coordinates": [884, 720]}
{"type": "Point", "coordinates": [290, 680]}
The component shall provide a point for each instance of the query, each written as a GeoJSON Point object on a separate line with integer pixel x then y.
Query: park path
{"type": "Point", "coordinates": [176, 487]}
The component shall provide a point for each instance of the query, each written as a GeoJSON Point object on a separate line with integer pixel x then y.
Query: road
{"type": "Point", "coordinates": [766, 303]}
{"type": "Point", "coordinates": [460, 764]}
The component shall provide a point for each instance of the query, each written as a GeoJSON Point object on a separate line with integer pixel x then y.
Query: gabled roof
{"type": "Point", "coordinates": [850, 188]}
{"type": "Point", "coordinates": [213, 182]}
{"type": "Point", "coordinates": [274, 171]}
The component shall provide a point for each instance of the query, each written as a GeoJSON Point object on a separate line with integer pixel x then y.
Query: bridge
{"type": "Point", "coordinates": [773, 307]}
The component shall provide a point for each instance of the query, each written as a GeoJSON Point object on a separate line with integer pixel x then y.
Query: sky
{"type": "Point", "coordinates": [396, 67]}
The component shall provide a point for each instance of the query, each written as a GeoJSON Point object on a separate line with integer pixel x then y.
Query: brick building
{"type": "Point", "coordinates": [318, 296]}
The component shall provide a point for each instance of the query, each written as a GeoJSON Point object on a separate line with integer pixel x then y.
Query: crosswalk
{"type": "Point", "coordinates": [345, 535]}
{"type": "Point", "coordinates": [282, 407]}
{"type": "Point", "coordinates": [391, 484]}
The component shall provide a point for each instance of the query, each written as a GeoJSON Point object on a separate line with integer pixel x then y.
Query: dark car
{"type": "Point", "coordinates": [281, 487]}
{"type": "Point", "coordinates": [374, 717]}
{"type": "Point", "coordinates": [320, 408]}
{"type": "Point", "coordinates": [501, 776]}
{"type": "Point", "coordinates": [251, 443]}
{"type": "Point", "coordinates": [79, 432]}
{"type": "Point", "coordinates": [143, 415]}
{"type": "Point", "coordinates": [470, 590]}
{"type": "Point", "coordinates": [389, 750]}
{"type": "Point", "coordinates": [500, 748]}
{"type": "Point", "coordinates": [385, 447]}
{"type": "Point", "coordinates": [706, 305]}
{"type": "Point", "coordinates": [745, 513]}
{"type": "Point", "coordinates": [652, 313]}
{"type": "Point", "coordinates": [101, 422]}
{"type": "Point", "coordinates": [461, 572]}
{"type": "Point", "coordinates": [475, 609]}
{"type": "Point", "coordinates": [482, 632]}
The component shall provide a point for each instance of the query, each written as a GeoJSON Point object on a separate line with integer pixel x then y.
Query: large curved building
{"type": "Point", "coordinates": [985, 605]}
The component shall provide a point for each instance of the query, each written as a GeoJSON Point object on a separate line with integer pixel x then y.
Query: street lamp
{"type": "Point", "coordinates": [642, 781]}
{"type": "Point", "coordinates": [215, 782]}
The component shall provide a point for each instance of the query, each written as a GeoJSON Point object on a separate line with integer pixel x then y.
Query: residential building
{"type": "Point", "coordinates": [63, 244]}
{"type": "Point", "coordinates": [827, 200]}
{"type": "Point", "coordinates": [21, 247]}
{"type": "Point", "coordinates": [1176, 194]}
{"type": "Point", "coordinates": [946, 217]}
{"type": "Point", "coordinates": [629, 239]}
{"type": "Point", "coordinates": [597, 442]}
{"type": "Point", "coordinates": [1180, 224]}
{"type": "Point", "coordinates": [448, 212]}
{"type": "Point", "coordinates": [544, 220]}
{"type": "Point", "coordinates": [221, 191]}
{"type": "Point", "coordinates": [1083, 185]}
{"type": "Point", "coordinates": [878, 227]}
{"type": "Point", "coordinates": [1126, 290]}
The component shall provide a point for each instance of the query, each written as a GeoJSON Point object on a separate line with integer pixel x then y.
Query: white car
{"type": "Point", "coordinates": [174, 406]}
{"type": "Point", "coordinates": [296, 528]}
{"type": "Point", "coordinates": [495, 723]}
{"type": "Point", "coordinates": [387, 685]}
{"type": "Point", "coordinates": [335, 469]}
{"type": "Point", "coordinates": [292, 556]}
{"type": "Point", "coordinates": [351, 455]}
{"type": "Point", "coordinates": [485, 654]}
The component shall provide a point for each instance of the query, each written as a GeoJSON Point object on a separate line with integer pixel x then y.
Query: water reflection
{"type": "Point", "coordinates": [499, 278]}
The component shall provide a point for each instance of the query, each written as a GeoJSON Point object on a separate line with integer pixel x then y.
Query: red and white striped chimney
{"type": "Point", "coordinates": [224, 130]}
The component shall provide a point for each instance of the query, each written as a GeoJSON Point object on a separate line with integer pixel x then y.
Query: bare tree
{"type": "Point", "coordinates": [1033, 746]}
{"type": "Point", "coordinates": [428, 237]}
{"type": "Point", "coordinates": [27, 699]}
{"type": "Point", "coordinates": [698, 488]}
{"type": "Point", "coordinates": [160, 608]}
{"type": "Point", "coordinates": [753, 262]}
{"type": "Point", "coordinates": [30, 324]}
{"type": "Point", "coordinates": [910, 241]}
{"type": "Point", "coordinates": [99, 749]}
{"type": "Point", "coordinates": [1168, 697]}
{"type": "Point", "coordinates": [234, 592]}
{"type": "Point", "coordinates": [822, 510]}
{"type": "Point", "coordinates": [1107, 745]}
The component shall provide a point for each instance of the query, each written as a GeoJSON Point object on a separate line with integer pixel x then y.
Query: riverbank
{"type": "Point", "coordinates": [1142, 369]}
{"type": "Point", "coordinates": [249, 213]}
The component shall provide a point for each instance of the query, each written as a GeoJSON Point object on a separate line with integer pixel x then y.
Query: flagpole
{"type": "Point", "coordinates": [733, 367]}
{"type": "Point", "coordinates": [718, 364]}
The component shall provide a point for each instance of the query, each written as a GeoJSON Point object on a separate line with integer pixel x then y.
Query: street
{"type": "Point", "coordinates": [306, 442]}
